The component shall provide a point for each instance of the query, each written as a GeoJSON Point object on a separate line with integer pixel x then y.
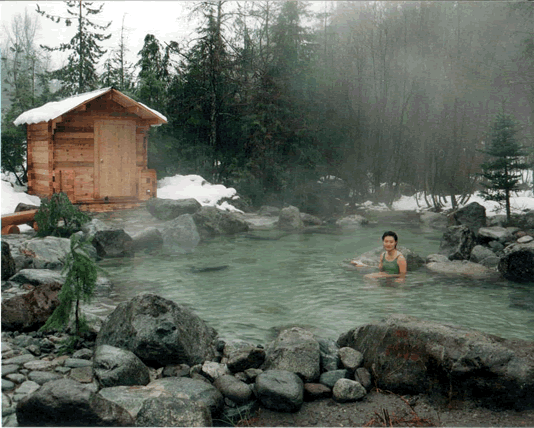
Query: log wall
{"type": "Point", "coordinates": [61, 153]}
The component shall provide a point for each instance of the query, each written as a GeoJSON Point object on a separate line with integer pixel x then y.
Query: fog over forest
{"type": "Point", "coordinates": [269, 96]}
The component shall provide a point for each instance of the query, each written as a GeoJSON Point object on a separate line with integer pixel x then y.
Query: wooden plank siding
{"type": "Point", "coordinates": [104, 167]}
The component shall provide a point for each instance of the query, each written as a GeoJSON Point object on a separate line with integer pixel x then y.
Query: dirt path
{"type": "Point", "coordinates": [370, 412]}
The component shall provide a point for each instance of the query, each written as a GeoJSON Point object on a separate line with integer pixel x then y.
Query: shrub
{"type": "Point", "coordinates": [58, 217]}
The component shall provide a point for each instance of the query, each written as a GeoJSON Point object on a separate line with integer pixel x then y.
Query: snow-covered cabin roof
{"type": "Point", "coordinates": [54, 109]}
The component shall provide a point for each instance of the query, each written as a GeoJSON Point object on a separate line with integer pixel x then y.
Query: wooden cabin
{"type": "Point", "coordinates": [93, 147]}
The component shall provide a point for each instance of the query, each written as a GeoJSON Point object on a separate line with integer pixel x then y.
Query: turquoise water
{"type": "Point", "coordinates": [302, 279]}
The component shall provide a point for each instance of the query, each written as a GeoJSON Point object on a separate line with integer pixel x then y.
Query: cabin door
{"type": "Point", "coordinates": [115, 159]}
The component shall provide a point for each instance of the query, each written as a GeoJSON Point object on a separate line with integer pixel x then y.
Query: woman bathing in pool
{"type": "Point", "coordinates": [392, 262]}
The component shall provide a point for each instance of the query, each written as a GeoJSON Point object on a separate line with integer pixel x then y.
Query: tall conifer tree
{"type": "Point", "coordinates": [79, 74]}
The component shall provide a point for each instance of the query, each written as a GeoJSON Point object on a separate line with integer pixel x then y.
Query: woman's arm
{"type": "Point", "coordinates": [380, 263]}
{"type": "Point", "coordinates": [403, 267]}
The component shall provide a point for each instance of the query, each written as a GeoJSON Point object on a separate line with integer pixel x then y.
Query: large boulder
{"type": "Point", "coordinates": [148, 239]}
{"type": "Point", "coordinates": [295, 350]}
{"type": "Point", "coordinates": [517, 263]}
{"type": "Point", "coordinates": [181, 234]}
{"type": "Point", "coordinates": [29, 311]}
{"type": "Point", "coordinates": [213, 222]}
{"type": "Point", "coordinates": [463, 268]}
{"type": "Point", "coordinates": [192, 389]}
{"type": "Point", "coordinates": [433, 220]}
{"type": "Point", "coordinates": [290, 219]}
{"type": "Point", "coordinates": [115, 367]}
{"type": "Point", "coordinates": [408, 355]}
{"type": "Point", "coordinates": [472, 216]}
{"type": "Point", "coordinates": [66, 402]}
{"type": "Point", "coordinates": [457, 243]}
{"type": "Point", "coordinates": [158, 331]}
{"type": "Point", "coordinates": [479, 253]}
{"type": "Point", "coordinates": [372, 258]}
{"type": "Point", "coordinates": [37, 277]}
{"type": "Point", "coordinates": [8, 263]}
{"type": "Point", "coordinates": [46, 253]}
{"type": "Point", "coordinates": [173, 412]}
{"type": "Point", "coordinates": [113, 243]}
{"type": "Point", "coordinates": [495, 233]}
{"type": "Point", "coordinates": [168, 209]}
{"type": "Point", "coordinates": [280, 390]}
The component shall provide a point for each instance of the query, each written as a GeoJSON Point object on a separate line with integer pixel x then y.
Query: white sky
{"type": "Point", "coordinates": [167, 20]}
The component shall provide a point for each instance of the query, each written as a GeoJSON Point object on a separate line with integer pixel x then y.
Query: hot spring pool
{"type": "Point", "coordinates": [301, 279]}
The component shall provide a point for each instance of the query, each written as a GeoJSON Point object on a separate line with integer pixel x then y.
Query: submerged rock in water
{"type": "Point", "coordinates": [290, 219]}
{"type": "Point", "coordinates": [463, 268]}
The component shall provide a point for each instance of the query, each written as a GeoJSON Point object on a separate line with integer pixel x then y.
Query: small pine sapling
{"type": "Point", "coordinates": [58, 217]}
{"type": "Point", "coordinates": [81, 276]}
{"type": "Point", "coordinates": [502, 172]}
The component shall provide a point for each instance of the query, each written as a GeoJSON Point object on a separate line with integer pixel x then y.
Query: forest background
{"type": "Point", "coordinates": [274, 97]}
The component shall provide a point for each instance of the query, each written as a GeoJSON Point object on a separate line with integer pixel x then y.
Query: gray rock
{"type": "Point", "coordinates": [234, 389]}
{"type": "Point", "coordinates": [169, 209]}
{"type": "Point", "coordinates": [496, 233]}
{"type": "Point", "coordinates": [439, 258]}
{"type": "Point", "coordinates": [8, 263]}
{"type": "Point", "coordinates": [496, 220]}
{"type": "Point", "coordinates": [496, 246]}
{"type": "Point", "coordinates": [115, 367]}
{"type": "Point", "coordinates": [472, 216]}
{"type": "Point", "coordinates": [30, 311]}
{"type": "Point", "coordinates": [315, 391]}
{"type": "Point", "coordinates": [83, 354]}
{"type": "Point", "coordinates": [297, 351]}
{"type": "Point", "coordinates": [41, 377]}
{"type": "Point", "coordinates": [280, 390]}
{"type": "Point", "coordinates": [479, 253]}
{"type": "Point", "coordinates": [158, 331]}
{"type": "Point", "coordinates": [363, 376]}
{"type": "Point", "coordinates": [181, 234]}
{"type": "Point", "coordinates": [148, 239]}
{"type": "Point", "coordinates": [329, 354]}
{"type": "Point", "coordinates": [113, 243]}
{"type": "Point", "coordinates": [191, 389]}
{"type": "Point", "coordinates": [42, 365]}
{"type": "Point", "coordinates": [89, 229]}
{"type": "Point", "coordinates": [350, 358]}
{"type": "Point", "coordinates": [491, 262]}
{"type": "Point", "coordinates": [21, 359]}
{"type": "Point", "coordinates": [38, 277]}
{"type": "Point", "coordinates": [7, 385]}
{"type": "Point", "coordinates": [66, 402]}
{"type": "Point", "coordinates": [310, 220]}
{"type": "Point", "coordinates": [463, 268]}
{"type": "Point", "coordinates": [525, 239]}
{"type": "Point", "coordinates": [346, 390]}
{"type": "Point", "coordinates": [46, 253]}
{"type": "Point", "coordinates": [517, 263]}
{"type": "Point", "coordinates": [8, 369]}
{"type": "Point", "coordinates": [15, 377]}
{"type": "Point", "coordinates": [214, 222]}
{"type": "Point", "coordinates": [130, 398]}
{"type": "Point", "coordinates": [352, 221]}
{"type": "Point", "coordinates": [77, 362]}
{"type": "Point", "coordinates": [244, 358]}
{"type": "Point", "coordinates": [289, 219]}
{"type": "Point", "coordinates": [28, 387]}
{"type": "Point", "coordinates": [252, 374]}
{"type": "Point", "coordinates": [266, 210]}
{"type": "Point", "coordinates": [457, 243]}
{"type": "Point", "coordinates": [81, 374]}
{"type": "Point", "coordinates": [434, 220]}
{"type": "Point", "coordinates": [414, 356]}
{"type": "Point", "coordinates": [330, 378]}
{"type": "Point", "coordinates": [176, 370]}
{"type": "Point", "coordinates": [173, 412]}
{"type": "Point", "coordinates": [213, 370]}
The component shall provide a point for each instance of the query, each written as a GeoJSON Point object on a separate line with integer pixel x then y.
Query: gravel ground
{"type": "Point", "coordinates": [370, 412]}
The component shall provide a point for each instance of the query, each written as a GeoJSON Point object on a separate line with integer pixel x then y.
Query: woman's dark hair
{"type": "Point", "coordinates": [392, 234]}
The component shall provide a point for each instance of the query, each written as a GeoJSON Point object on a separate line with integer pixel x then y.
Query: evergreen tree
{"type": "Point", "coordinates": [80, 282]}
{"type": "Point", "coordinates": [502, 171]}
{"type": "Point", "coordinates": [25, 81]}
{"type": "Point", "coordinates": [79, 75]}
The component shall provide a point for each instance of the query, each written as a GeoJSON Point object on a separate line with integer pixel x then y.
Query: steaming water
{"type": "Point", "coordinates": [301, 279]}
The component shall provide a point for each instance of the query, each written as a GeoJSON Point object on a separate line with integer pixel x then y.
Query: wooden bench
{"type": "Point", "coordinates": [10, 222]}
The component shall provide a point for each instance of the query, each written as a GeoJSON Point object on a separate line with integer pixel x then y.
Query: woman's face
{"type": "Point", "coordinates": [389, 243]}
